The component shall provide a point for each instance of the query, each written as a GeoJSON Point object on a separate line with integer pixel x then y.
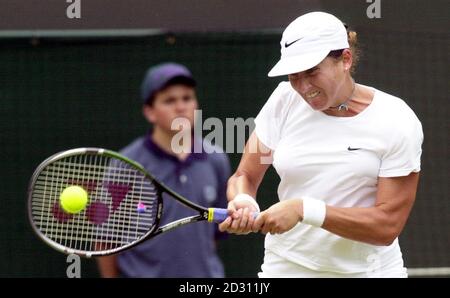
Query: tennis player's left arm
{"type": "Point", "coordinates": [382, 223]}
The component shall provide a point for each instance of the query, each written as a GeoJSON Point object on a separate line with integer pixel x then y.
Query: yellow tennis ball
{"type": "Point", "coordinates": [73, 199]}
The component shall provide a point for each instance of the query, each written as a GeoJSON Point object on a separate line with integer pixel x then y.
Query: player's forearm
{"type": "Point", "coordinates": [240, 183]}
{"type": "Point", "coordinates": [370, 225]}
{"type": "Point", "coordinates": [108, 266]}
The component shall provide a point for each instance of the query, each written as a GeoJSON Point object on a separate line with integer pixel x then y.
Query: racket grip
{"type": "Point", "coordinates": [220, 214]}
{"type": "Point", "coordinates": [217, 214]}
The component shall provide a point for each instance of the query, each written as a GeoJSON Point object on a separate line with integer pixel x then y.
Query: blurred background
{"type": "Point", "coordinates": [68, 83]}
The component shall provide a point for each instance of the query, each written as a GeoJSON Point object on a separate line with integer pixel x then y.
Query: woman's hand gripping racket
{"type": "Point", "coordinates": [123, 206]}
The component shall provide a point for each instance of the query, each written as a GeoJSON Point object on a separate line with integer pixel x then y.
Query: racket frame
{"type": "Point", "coordinates": [160, 189]}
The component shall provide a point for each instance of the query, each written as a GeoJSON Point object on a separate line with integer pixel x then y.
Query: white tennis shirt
{"type": "Point", "coordinates": [337, 160]}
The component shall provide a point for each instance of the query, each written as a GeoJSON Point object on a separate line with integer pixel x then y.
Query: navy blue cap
{"type": "Point", "coordinates": [162, 75]}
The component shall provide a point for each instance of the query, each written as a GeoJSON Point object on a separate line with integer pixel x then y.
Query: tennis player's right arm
{"type": "Point", "coordinates": [254, 163]}
{"type": "Point", "coordinates": [108, 266]}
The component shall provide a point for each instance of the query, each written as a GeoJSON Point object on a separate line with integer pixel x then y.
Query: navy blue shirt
{"type": "Point", "coordinates": [187, 251]}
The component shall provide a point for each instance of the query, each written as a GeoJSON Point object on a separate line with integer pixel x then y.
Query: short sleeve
{"type": "Point", "coordinates": [269, 120]}
{"type": "Point", "coordinates": [405, 150]}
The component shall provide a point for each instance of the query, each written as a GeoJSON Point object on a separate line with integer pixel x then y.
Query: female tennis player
{"type": "Point", "coordinates": [348, 156]}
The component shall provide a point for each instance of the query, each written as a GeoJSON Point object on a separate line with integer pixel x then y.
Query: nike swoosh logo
{"type": "Point", "coordinates": [352, 149]}
{"type": "Point", "coordinates": [286, 44]}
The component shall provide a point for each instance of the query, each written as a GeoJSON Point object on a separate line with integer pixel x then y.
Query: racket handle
{"type": "Point", "coordinates": [220, 214]}
{"type": "Point", "coordinates": [217, 214]}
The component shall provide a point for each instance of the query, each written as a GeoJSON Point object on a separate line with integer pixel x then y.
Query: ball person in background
{"type": "Point", "coordinates": [348, 157]}
{"type": "Point", "coordinates": [168, 95]}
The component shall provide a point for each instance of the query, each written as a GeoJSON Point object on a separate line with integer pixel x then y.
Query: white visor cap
{"type": "Point", "coordinates": [307, 41]}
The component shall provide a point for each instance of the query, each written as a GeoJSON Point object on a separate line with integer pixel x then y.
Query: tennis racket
{"type": "Point", "coordinates": [124, 207]}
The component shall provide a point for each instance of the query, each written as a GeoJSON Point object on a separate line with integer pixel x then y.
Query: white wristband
{"type": "Point", "coordinates": [314, 212]}
{"type": "Point", "coordinates": [248, 198]}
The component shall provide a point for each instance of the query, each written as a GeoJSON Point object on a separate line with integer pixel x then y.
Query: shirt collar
{"type": "Point", "coordinates": [157, 150]}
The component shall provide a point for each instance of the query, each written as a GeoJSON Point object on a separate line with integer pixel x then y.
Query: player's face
{"type": "Point", "coordinates": [175, 104]}
{"type": "Point", "coordinates": [323, 85]}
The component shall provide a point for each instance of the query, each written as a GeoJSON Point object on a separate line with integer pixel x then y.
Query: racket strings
{"type": "Point", "coordinates": [122, 203]}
